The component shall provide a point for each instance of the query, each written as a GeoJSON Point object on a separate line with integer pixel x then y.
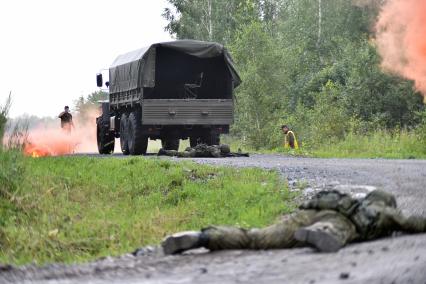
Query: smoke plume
{"type": "Point", "coordinates": [401, 39]}
{"type": "Point", "coordinates": [51, 140]}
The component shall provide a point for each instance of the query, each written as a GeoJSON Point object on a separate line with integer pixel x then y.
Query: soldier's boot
{"type": "Point", "coordinates": [183, 241]}
{"type": "Point", "coordinates": [320, 235]}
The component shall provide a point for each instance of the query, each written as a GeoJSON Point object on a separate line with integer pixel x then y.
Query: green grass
{"type": "Point", "coordinates": [76, 209]}
{"type": "Point", "coordinates": [381, 144]}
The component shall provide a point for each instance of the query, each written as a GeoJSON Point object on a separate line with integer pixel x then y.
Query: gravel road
{"type": "Point", "coordinates": [399, 259]}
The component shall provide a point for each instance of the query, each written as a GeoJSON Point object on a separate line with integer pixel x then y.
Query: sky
{"type": "Point", "coordinates": [51, 50]}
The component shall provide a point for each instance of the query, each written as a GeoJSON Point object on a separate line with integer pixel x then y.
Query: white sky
{"type": "Point", "coordinates": [50, 51]}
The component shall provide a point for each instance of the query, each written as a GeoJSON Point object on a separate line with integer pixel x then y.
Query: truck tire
{"type": "Point", "coordinates": [170, 143]}
{"type": "Point", "coordinates": [106, 141]}
{"type": "Point", "coordinates": [214, 138]}
{"type": "Point", "coordinates": [207, 137]}
{"type": "Point", "coordinates": [124, 143]}
{"type": "Point", "coordinates": [138, 143]}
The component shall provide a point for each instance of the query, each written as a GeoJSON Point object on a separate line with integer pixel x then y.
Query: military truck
{"type": "Point", "coordinates": [168, 91]}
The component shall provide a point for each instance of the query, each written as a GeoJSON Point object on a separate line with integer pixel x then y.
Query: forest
{"type": "Point", "coordinates": [312, 64]}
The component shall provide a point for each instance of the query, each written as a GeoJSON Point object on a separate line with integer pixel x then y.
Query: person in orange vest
{"type": "Point", "coordinates": [290, 141]}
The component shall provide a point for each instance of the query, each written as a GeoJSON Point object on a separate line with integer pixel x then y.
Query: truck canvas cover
{"type": "Point", "coordinates": [138, 69]}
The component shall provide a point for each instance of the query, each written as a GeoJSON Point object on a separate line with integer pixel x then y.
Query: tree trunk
{"type": "Point", "coordinates": [208, 21]}
{"type": "Point", "coordinates": [319, 29]}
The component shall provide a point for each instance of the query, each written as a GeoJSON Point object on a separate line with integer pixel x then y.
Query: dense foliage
{"type": "Point", "coordinates": [85, 107]}
{"type": "Point", "coordinates": [4, 110]}
{"type": "Point", "coordinates": [310, 64]}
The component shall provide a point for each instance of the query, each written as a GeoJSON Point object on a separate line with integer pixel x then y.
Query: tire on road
{"type": "Point", "coordinates": [106, 140]}
{"type": "Point", "coordinates": [124, 143]}
{"type": "Point", "coordinates": [170, 143]}
{"type": "Point", "coordinates": [137, 142]}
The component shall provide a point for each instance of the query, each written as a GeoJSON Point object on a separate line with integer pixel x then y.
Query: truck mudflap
{"type": "Point", "coordinates": [187, 112]}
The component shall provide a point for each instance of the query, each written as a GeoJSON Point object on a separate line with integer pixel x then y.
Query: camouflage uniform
{"type": "Point", "coordinates": [201, 150]}
{"type": "Point", "coordinates": [280, 235]}
{"type": "Point", "coordinates": [328, 222]}
{"type": "Point", "coordinates": [335, 214]}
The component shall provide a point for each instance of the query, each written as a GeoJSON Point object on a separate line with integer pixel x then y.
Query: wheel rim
{"type": "Point", "coordinates": [123, 137]}
{"type": "Point", "coordinates": [130, 136]}
{"type": "Point", "coordinates": [98, 138]}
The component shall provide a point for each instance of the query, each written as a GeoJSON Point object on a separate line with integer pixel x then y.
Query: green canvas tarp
{"type": "Point", "coordinates": [137, 69]}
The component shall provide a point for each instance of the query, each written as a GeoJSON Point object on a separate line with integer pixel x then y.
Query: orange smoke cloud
{"type": "Point", "coordinates": [48, 140]}
{"type": "Point", "coordinates": [401, 39]}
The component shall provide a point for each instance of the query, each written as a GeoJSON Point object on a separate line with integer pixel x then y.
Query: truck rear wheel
{"type": "Point", "coordinates": [170, 143]}
{"type": "Point", "coordinates": [106, 141]}
{"type": "Point", "coordinates": [138, 143]}
{"type": "Point", "coordinates": [214, 138]}
{"type": "Point", "coordinates": [124, 143]}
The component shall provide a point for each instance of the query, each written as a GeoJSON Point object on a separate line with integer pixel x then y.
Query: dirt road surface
{"type": "Point", "coordinates": [399, 259]}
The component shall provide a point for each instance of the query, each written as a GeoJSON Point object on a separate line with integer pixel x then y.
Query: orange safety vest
{"type": "Point", "coordinates": [286, 140]}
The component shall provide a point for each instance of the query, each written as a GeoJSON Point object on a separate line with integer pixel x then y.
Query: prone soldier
{"type": "Point", "coordinates": [327, 222]}
{"type": "Point", "coordinates": [203, 150]}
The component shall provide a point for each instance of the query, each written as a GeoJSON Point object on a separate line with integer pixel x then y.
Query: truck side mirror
{"type": "Point", "coordinates": [99, 80]}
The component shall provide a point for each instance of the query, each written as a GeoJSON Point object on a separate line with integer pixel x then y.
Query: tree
{"type": "Point", "coordinates": [4, 111]}
{"type": "Point", "coordinates": [86, 106]}
{"type": "Point", "coordinates": [301, 62]}
{"type": "Point", "coordinates": [216, 20]}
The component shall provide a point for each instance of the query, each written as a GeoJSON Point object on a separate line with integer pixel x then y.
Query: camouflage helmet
{"type": "Point", "coordinates": [225, 149]}
{"type": "Point", "coordinates": [380, 195]}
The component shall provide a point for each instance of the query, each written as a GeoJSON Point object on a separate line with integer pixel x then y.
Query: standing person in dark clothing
{"type": "Point", "coordinates": [290, 140]}
{"type": "Point", "coordinates": [66, 119]}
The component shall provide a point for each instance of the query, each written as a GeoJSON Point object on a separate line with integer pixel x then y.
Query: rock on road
{"type": "Point", "coordinates": [399, 259]}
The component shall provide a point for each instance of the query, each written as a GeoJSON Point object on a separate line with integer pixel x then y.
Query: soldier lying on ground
{"type": "Point", "coordinates": [203, 150]}
{"type": "Point", "coordinates": [328, 221]}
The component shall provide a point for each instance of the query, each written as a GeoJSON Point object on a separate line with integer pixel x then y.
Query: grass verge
{"type": "Point", "coordinates": [380, 144]}
{"type": "Point", "coordinates": [75, 209]}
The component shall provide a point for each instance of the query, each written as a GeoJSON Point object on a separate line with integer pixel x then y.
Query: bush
{"type": "Point", "coordinates": [4, 111]}
{"type": "Point", "coordinates": [421, 128]}
{"type": "Point", "coordinates": [11, 173]}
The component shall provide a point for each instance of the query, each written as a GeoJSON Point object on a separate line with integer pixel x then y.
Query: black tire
{"type": "Point", "coordinates": [124, 143]}
{"type": "Point", "coordinates": [170, 143]}
{"type": "Point", "coordinates": [138, 143]}
{"type": "Point", "coordinates": [215, 138]}
{"type": "Point", "coordinates": [106, 140]}
{"type": "Point", "coordinates": [207, 137]}
{"type": "Point", "coordinates": [194, 140]}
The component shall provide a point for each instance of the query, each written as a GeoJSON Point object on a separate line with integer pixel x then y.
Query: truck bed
{"type": "Point", "coordinates": [187, 112]}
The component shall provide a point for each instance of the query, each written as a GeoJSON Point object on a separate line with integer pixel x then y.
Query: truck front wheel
{"type": "Point", "coordinates": [106, 141]}
{"type": "Point", "coordinates": [138, 143]}
{"type": "Point", "coordinates": [124, 143]}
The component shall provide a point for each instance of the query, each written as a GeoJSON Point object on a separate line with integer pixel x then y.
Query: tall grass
{"type": "Point", "coordinates": [380, 144]}
{"type": "Point", "coordinates": [390, 144]}
{"type": "Point", "coordinates": [76, 208]}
